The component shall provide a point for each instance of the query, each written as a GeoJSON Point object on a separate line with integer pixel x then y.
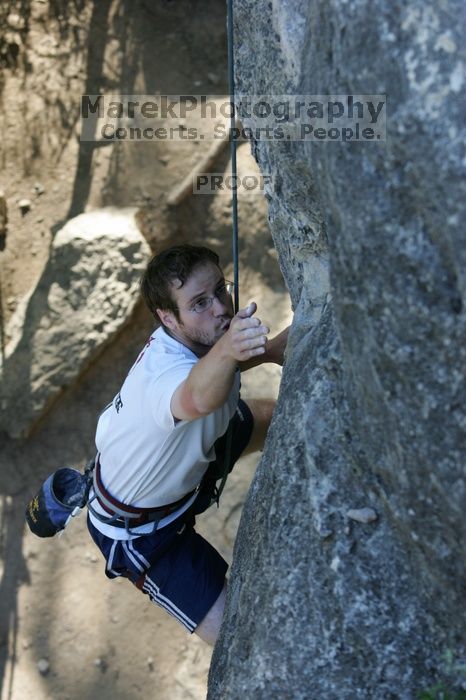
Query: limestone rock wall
{"type": "Point", "coordinates": [328, 599]}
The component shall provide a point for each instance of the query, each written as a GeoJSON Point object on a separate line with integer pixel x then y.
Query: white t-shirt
{"type": "Point", "coordinates": [146, 458]}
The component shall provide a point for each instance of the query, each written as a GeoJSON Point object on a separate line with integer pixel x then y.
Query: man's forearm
{"type": "Point", "coordinates": [211, 379]}
{"type": "Point", "coordinates": [209, 383]}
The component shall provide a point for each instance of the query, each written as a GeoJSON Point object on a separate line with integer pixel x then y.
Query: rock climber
{"type": "Point", "coordinates": [162, 441]}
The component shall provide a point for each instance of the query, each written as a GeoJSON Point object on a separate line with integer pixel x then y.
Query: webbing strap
{"type": "Point", "coordinates": [116, 508]}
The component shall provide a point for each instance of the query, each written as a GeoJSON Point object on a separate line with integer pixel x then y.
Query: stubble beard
{"type": "Point", "coordinates": [204, 338]}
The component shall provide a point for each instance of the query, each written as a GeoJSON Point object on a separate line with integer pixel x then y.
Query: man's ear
{"type": "Point", "coordinates": [167, 317]}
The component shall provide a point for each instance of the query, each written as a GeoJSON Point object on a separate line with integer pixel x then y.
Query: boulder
{"type": "Point", "coordinates": [85, 295]}
{"type": "Point", "coordinates": [348, 574]}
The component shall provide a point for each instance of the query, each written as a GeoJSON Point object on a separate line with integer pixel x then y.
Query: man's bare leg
{"type": "Point", "coordinates": [262, 411]}
{"type": "Point", "coordinates": [209, 628]}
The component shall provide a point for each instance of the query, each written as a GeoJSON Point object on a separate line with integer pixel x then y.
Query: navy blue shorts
{"type": "Point", "coordinates": [176, 567]}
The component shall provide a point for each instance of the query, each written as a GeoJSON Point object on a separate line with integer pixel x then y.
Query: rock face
{"type": "Point", "coordinates": [349, 569]}
{"type": "Point", "coordinates": [86, 293]}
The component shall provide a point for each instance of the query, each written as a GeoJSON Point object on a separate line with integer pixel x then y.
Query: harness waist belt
{"type": "Point", "coordinates": [120, 512]}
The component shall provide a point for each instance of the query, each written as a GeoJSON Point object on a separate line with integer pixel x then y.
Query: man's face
{"type": "Point", "coordinates": [199, 331]}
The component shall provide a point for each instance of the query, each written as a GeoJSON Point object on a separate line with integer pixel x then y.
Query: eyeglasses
{"type": "Point", "coordinates": [222, 293]}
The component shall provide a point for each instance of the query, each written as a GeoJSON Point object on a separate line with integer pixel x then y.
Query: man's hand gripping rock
{"type": "Point", "coordinates": [246, 337]}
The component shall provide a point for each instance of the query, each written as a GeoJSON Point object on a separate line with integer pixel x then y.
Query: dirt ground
{"type": "Point", "coordinates": [95, 638]}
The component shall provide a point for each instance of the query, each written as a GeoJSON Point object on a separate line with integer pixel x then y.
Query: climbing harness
{"type": "Point", "coordinates": [122, 515]}
{"type": "Point", "coordinates": [66, 492]}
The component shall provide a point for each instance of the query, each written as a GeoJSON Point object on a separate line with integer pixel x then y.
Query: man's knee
{"type": "Point", "coordinates": [209, 628]}
{"type": "Point", "coordinates": [262, 412]}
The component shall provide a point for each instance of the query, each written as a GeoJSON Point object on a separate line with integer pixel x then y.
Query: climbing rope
{"type": "Point", "coordinates": [234, 194]}
{"type": "Point", "coordinates": [234, 213]}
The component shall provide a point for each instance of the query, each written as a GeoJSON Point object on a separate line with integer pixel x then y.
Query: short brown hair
{"type": "Point", "coordinates": [175, 263]}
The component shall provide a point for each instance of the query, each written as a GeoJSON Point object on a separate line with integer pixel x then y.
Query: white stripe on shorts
{"type": "Point", "coordinates": [131, 556]}
{"type": "Point", "coordinates": [154, 591]}
{"type": "Point", "coordinates": [110, 560]}
{"type": "Point", "coordinates": [137, 554]}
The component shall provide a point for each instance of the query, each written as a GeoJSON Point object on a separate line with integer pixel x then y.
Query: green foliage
{"type": "Point", "coordinates": [445, 690]}
{"type": "Point", "coordinates": [441, 692]}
